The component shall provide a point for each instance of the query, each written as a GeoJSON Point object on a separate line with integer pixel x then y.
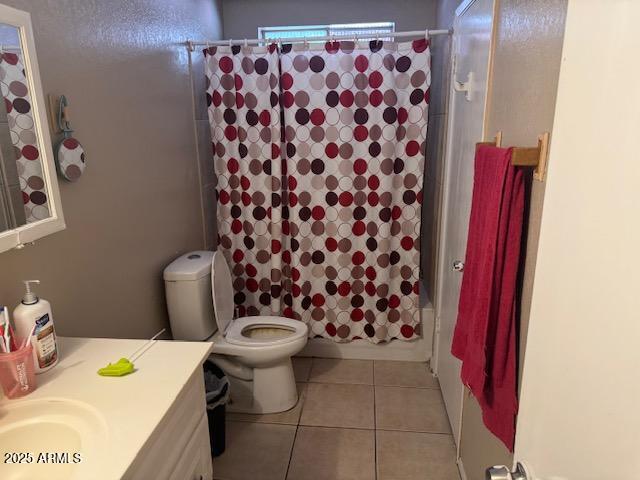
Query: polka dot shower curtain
{"type": "Point", "coordinates": [17, 103]}
{"type": "Point", "coordinates": [244, 114]}
{"type": "Point", "coordinates": [354, 121]}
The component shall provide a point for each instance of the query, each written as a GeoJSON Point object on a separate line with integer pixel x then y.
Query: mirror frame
{"type": "Point", "coordinates": [18, 237]}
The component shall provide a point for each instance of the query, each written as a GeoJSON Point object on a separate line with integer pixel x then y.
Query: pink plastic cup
{"type": "Point", "coordinates": [17, 372]}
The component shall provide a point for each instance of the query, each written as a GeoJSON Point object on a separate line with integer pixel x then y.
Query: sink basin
{"type": "Point", "coordinates": [51, 438]}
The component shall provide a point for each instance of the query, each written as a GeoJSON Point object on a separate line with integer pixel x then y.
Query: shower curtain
{"type": "Point", "coordinates": [244, 114]}
{"type": "Point", "coordinates": [337, 246]}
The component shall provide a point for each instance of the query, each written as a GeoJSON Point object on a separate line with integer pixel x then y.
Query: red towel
{"type": "Point", "coordinates": [486, 329]}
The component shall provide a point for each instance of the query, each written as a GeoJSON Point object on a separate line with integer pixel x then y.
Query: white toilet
{"type": "Point", "coordinates": [254, 352]}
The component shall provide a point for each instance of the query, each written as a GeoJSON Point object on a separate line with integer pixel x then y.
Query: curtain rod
{"type": "Point", "coordinates": [415, 33]}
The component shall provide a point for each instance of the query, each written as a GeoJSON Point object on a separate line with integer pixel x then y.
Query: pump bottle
{"type": "Point", "coordinates": [33, 317]}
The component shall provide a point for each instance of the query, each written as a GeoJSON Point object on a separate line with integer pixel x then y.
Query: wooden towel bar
{"type": "Point", "coordinates": [527, 156]}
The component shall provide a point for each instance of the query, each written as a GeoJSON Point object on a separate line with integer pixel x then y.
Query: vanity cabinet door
{"type": "Point", "coordinates": [167, 445]}
{"type": "Point", "coordinates": [195, 463]}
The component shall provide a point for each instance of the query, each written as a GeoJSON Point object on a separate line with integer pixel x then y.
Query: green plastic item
{"type": "Point", "coordinates": [120, 368]}
{"type": "Point", "coordinates": [124, 366]}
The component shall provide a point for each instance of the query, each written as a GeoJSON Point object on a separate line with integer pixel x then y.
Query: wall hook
{"type": "Point", "coordinates": [466, 87]}
{"type": "Point", "coordinates": [63, 116]}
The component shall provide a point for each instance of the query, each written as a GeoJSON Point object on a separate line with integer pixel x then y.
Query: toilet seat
{"type": "Point", "coordinates": [238, 331]}
{"type": "Point", "coordinates": [259, 331]}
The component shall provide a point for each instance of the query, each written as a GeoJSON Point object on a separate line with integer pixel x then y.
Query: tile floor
{"type": "Point", "coordinates": [355, 420]}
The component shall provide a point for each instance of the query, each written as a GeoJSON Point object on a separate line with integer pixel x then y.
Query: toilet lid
{"type": "Point", "coordinates": [222, 291]}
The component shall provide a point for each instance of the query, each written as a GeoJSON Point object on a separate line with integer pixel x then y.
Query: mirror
{"type": "Point", "coordinates": [29, 197]}
{"type": "Point", "coordinates": [24, 196]}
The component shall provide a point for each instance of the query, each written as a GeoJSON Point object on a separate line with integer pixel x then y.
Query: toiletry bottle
{"type": "Point", "coordinates": [33, 316]}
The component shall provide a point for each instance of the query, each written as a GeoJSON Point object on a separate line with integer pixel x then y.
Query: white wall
{"type": "Point", "coordinates": [241, 18]}
{"type": "Point", "coordinates": [580, 393]}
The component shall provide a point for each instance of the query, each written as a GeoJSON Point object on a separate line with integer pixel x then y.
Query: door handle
{"type": "Point", "coordinates": [458, 266]}
{"type": "Point", "coordinates": [502, 472]}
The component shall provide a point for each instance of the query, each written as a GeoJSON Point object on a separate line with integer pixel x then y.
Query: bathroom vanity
{"type": "Point", "coordinates": [76, 424]}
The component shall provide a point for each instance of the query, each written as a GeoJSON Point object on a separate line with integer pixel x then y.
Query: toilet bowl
{"type": "Point", "coordinates": [254, 352]}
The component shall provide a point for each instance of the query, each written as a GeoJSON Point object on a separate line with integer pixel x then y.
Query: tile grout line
{"type": "Point", "coordinates": [340, 428]}
{"type": "Point", "coordinates": [293, 446]}
{"type": "Point", "coordinates": [372, 385]}
{"type": "Point", "coordinates": [408, 386]}
{"type": "Point", "coordinates": [413, 431]}
{"type": "Point", "coordinates": [375, 427]}
{"type": "Point", "coordinates": [346, 428]}
{"type": "Point", "coordinates": [295, 435]}
{"type": "Point", "coordinates": [310, 380]}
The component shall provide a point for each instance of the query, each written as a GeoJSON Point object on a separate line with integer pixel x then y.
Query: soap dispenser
{"type": "Point", "coordinates": [33, 317]}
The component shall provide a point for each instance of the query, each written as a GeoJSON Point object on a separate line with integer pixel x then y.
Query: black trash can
{"type": "Point", "coordinates": [216, 385]}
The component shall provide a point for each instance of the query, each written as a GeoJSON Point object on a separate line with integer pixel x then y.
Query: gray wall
{"type": "Point", "coordinates": [138, 205]}
{"type": "Point", "coordinates": [243, 17]}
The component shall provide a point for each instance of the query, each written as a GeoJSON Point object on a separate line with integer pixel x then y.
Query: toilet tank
{"type": "Point", "coordinates": [187, 282]}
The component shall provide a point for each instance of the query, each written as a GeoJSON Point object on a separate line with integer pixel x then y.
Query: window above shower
{"type": "Point", "coordinates": [373, 29]}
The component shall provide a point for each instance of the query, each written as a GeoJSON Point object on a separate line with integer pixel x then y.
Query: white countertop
{"type": "Point", "coordinates": [132, 406]}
